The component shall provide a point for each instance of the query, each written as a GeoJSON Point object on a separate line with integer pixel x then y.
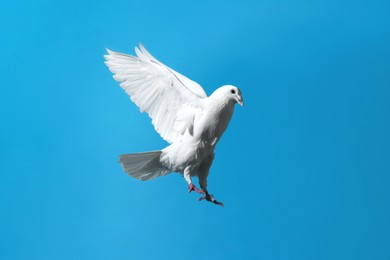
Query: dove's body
{"type": "Point", "coordinates": [192, 149]}
{"type": "Point", "coordinates": [181, 112]}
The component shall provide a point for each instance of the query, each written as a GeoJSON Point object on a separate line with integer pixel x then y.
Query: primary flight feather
{"type": "Point", "coordinates": [181, 112]}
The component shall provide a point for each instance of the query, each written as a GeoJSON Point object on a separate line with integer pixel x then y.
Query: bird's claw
{"type": "Point", "coordinates": [192, 187]}
{"type": "Point", "coordinates": [211, 199]}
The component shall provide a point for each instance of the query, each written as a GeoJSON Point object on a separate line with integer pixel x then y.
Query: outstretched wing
{"type": "Point", "coordinates": [158, 90]}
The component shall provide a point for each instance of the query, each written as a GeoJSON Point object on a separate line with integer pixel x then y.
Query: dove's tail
{"type": "Point", "coordinates": [143, 166]}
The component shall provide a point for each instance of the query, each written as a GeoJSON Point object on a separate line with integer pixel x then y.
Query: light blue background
{"type": "Point", "coordinates": [303, 169]}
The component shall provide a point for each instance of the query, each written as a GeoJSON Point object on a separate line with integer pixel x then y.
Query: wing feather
{"type": "Point", "coordinates": [158, 90]}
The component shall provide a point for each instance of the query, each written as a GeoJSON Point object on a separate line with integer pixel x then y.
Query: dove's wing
{"type": "Point", "coordinates": [158, 90]}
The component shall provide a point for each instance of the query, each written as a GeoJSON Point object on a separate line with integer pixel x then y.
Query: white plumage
{"type": "Point", "coordinates": [181, 113]}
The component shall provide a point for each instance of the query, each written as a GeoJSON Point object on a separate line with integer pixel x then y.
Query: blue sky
{"type": "Point", "coordinates": [303, 168]}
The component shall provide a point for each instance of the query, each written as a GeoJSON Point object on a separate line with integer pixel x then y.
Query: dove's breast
{"type": "Point", "coordinates": [213, 122]}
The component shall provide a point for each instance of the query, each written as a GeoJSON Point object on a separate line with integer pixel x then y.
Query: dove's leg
{"type": "Point", "coordinates": [203, 174]}
{"type": "Point", "coordinates": [191, 186]}
{"type": "Point", "coordinates": [204, 169]}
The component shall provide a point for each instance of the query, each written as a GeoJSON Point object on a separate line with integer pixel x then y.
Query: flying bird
{"type": "Point", "coordinates": [181, 112]}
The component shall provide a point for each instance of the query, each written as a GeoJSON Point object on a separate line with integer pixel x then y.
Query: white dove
{"type": "Point", "coordinates": [181, 112]}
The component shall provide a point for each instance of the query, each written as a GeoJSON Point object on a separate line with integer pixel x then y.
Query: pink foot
{"type": "Point", "coordinates": [211, 199]}
{"type": "Point", "coordinates": [192, 187]}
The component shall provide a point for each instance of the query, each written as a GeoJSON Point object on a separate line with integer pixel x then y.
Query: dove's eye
{"type": "Point", "coordinates": [233, 91]}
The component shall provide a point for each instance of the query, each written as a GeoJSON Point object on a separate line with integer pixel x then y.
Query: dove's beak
{"type": "Point", "coordinates": [240, 102]}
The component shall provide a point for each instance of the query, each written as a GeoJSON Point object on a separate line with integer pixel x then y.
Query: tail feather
{"type": "Point", "coordinates": [143, 166]}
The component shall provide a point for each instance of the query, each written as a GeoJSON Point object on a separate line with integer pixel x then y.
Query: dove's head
{"type": "Point", "coordinates": [233, 94]}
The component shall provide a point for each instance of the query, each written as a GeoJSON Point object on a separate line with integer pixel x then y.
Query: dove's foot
{"type": "Point", "coordinates": [211, 199]}
{"type": "Point", "coordinates": [192, 187]}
